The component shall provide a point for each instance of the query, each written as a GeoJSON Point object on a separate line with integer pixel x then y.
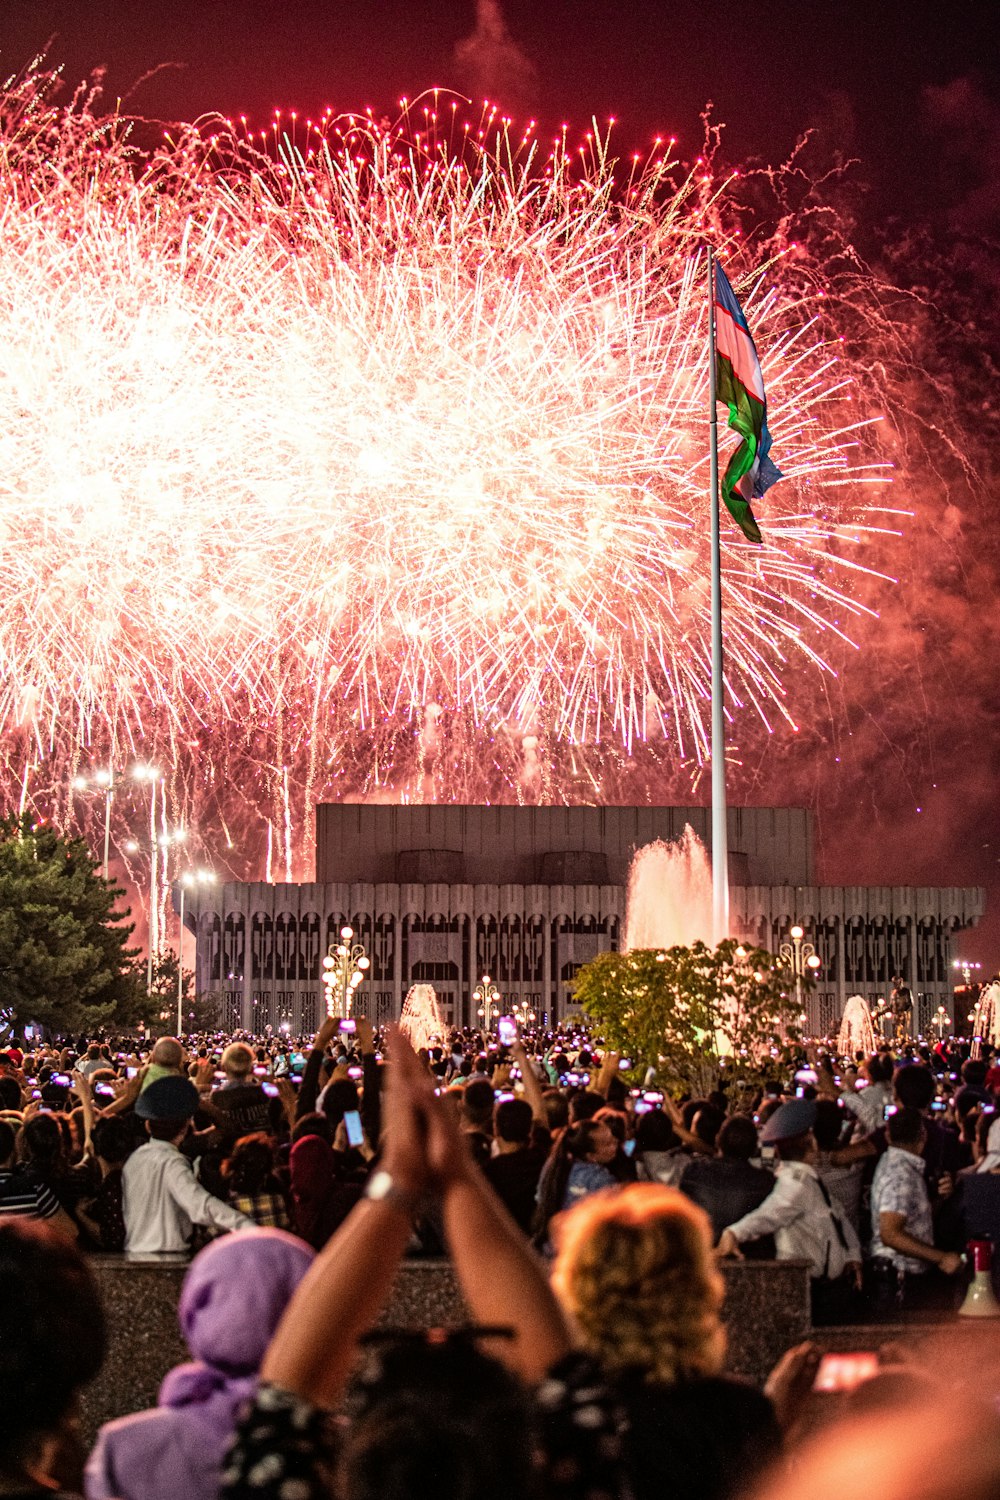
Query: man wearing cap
{"type": "Point", "coordinates": [161, 1200]}
{"type": "Point", "coordinates": [806, 1223]}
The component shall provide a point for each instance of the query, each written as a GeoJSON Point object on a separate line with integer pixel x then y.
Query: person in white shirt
{"type": "Point", "coordinates": [161, 1200]}
{"type": "Point", "coordinates": [806, 1222]}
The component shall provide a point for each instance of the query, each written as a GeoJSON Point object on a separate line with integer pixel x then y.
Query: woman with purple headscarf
{"type": "Point", "coordinates": [233, 1297]}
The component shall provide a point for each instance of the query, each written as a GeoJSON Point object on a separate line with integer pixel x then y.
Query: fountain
{"type": "Point", "coordinates": [669, 894]}
{"type": "Point", "coordinates": [421, 1020]}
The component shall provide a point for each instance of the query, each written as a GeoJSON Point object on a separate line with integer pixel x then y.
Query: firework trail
{"type": "Point", "coordinates": [371, 460]}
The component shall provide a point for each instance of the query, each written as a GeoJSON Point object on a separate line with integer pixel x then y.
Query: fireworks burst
{"type": "Point", "coordinates": [336, 461]}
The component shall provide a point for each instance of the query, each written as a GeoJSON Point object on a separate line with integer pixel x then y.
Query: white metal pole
{"type": "Point", "coordinates": [180, 965]}
{"type": "Point", "coordinates": [720, 842]}
{"type": "Point", "coordinates": [108, 794]}
{"type": "Point", "coordinates": [152, 886]}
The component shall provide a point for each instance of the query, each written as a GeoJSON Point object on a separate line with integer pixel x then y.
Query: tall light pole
{"type": "Point", "coordinates": [189, 879]}
{"type": "Point", "coordinates": [343, 970]}
{"type": "Point", "coordinates": [800, 957]}
{"type": "Point", "coordinates": [104, 782]}
{"type": "Point", "coordinates": [487, 997]}
{"type": "Point", "coordinates": [153, 847]}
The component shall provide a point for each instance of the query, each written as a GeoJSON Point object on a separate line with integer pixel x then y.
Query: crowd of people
{"type": "Point", "coordinates": [586, 1213]}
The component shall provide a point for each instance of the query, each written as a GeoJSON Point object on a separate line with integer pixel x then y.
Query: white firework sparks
{"type": "Point", "coordinates": [300, 455]}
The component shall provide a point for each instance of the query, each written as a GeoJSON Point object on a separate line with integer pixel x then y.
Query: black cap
{"type": "Point", "coordinates": [795, 1118]}
{"type": "Point", "coordinates": [168, 1099]}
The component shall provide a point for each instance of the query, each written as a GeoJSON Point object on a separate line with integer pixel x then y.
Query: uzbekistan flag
{"type": "Point", "coordinates": [740, 384]}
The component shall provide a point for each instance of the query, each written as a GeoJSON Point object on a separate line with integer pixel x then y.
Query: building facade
{"type": "Point", "coordinates": [410, 882]}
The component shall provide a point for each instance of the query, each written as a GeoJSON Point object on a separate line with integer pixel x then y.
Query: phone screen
{"type": "Point", "coordinates": [845, 1372]}
{"type": "Point", "coordinates": [131, 1072]}
{"type": "Point", "coordinates": [507, 1031]}
{"type": "Point", "coordinates": [348, 1027]}
{"type": "Point", "coordinates": [270, 1089]}
{"type": "Point", "coordinates": [352, 1124]}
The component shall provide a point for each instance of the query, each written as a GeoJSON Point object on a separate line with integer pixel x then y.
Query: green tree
{"type": "Point", "coordinates": [64, 954]}
{"type": "Point", "coordinates": [694, 1014]}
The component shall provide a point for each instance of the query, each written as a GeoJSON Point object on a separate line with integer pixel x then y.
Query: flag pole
{"type": "Point", "coordinates": [720, 842]}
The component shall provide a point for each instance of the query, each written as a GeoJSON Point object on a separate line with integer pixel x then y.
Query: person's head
{"type": "Point", "coordinates": [477, 1105]}
{"type": "Point", "coordinates": [584, 1105]}
{"type": "Point", "coordinates": [167, 1053]}
{"type": "Point", "coordinates": [43, 1145]}
{"type": "Point", "coordinates": [112, 1140]}
{"type": "Point", "coordinates": [905, 1128]}
{"type": "Point", "coordinates": [635, 1272]}
{"type": "Point", "coordinates": [556, 1107]}
{"type": "Point", "coordinates": [314, 1123]}
{"type": "Point", "coordinates": [879, 1067]}
{"type": "Point", "coordinates": [707, 1123]}
{"type": "Point", "coordinates": [737, 1140]}
{"type": "Point", "coordinates": [10, 1093]}
{"type": "Point", "coordinates": [512, 1122]}
{"type": "Point", "coordinates": [235, 1293]}
{"type": "Point", "coordinates": [913, 1086]}
{"type": "Point", "coordinates": [616, 1123]}
{"type": "Point", "coordinates": [341, 1098]}
{"type": "Point", "coordinates": [249, 1164]}
{"type": "Point", "coordinates": [654, 1132]}
{"type": "Point", "coordinates": [8, 1142]}
{"type": "Point", "coordinates": [974, 1072]}
{"type": "Point", "coordinates": [829, 1126]}
{"type": "Point", "coordinates": [238, 1063]}
{"type": "Point", "coordinates": [168, 1107]}
{"type": "Point", "coordinates": [52, 1334]}
{"type": "Point", "coordinates": [94, 1052]}
{"type": "Point", "coordinates": [435, 1415]}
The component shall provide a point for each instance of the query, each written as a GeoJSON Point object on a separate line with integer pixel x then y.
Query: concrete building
{"type": "Point", "coordinates": [444, 894]}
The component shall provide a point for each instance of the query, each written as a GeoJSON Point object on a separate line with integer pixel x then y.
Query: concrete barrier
{"type": "Point", "coordinates": [766, 1310]}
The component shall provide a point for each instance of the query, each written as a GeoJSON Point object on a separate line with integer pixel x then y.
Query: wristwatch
{"type": "Point", "coordinates": [381, 1188]}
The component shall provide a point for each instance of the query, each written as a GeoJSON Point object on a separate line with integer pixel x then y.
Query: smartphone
{"type": "Point", "coordinates": [629, 1148]}
{"type": "Point", "coordinates": [355, 1072]}
{"type": "Point", "coordinates": [104, 1090]}
{"type": "Point", "coordinates": [653, 1096]}
{"type": "Point", "coordinates": [767, 1155]}
{"type": "Point", "coordinates": [800, 1092]}
{"type": "Point", "coordinates": [36, 1093]}
{"type": "Point", "coordinates": [352, 1124]}
{"type": "Point", "coordinates": [624, 1063]}
{"type": "Point", "coordinates": [642, 1108]}
{"type": "Point", "coordinates": [261, 1071]}
{"type": "Point", "coordinates": [507, 1031]}
{"type": "Point", "coordinates": [131, 1072]}
{"type": "Point", "coordinates": [845, 1372]}
{"type": "Point", "coordinates": [890, 1109]}
{"type": "Point", "coordinates": [61, 1078]}
{"type": "Point", "coordinates": [348, 1028]}
{"type": "Point", "coordinates": [939, 1106]}
{"type": "Point", "coordinates": [807, 1075]}
{"type": "Point", "coordinates": [504, 1097]}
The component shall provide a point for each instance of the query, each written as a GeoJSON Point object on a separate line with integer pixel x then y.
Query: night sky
{"type": "Point", "coordinates": [911, 91]}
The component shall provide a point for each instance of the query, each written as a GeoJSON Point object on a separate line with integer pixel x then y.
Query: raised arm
{"type": "Point", "coordinates": [309, 1087]}
{"type": "Point", "coordinates": [532, 1086]}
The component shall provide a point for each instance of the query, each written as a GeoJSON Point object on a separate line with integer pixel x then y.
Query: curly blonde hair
{"type": "Point", "coordinates": [635, 1271]}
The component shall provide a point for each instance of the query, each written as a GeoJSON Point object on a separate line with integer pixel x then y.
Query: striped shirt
{"type": "Point", "coordinates": [20, 1195]}
{"type": "Point", "coordinates": [898, 1187]}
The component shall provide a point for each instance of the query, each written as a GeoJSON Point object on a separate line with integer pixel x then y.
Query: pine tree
{"type": "Point", "coordinates": [64, 955]}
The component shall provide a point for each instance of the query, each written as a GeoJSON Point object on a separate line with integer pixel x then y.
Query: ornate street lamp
{"type": "Point", "coordinates": [801, 958]}
{"type": "Point", "coordinates": [487, 997]}
{"type": "Point", "coordinates": [344, 969]}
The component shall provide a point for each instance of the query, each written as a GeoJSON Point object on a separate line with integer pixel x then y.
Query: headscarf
{"type": "Point", "coordinates": [233, 1297]}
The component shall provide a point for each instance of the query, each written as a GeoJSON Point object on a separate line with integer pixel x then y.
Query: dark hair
{"type": "Point", "coordinates": [477, 1102]}
{"type": "Point", "coordinates": [556, 1109]}
{"type": "Point", "coordinates": [8, 1141]}
{"type": "Point", "coordinates": [112, 1139]}
{"type": "Point", "coordinates": [905, 1127]}
{"type": "Point", "coordinates": [250, 1164]}
{"type": "Point", "coordinates": [10, 1092]}
{"type": "Point", "coordinates": [615, 1121]}
{"type": "Point", "coordinates": [654, 1132]}
{"type": "Point", "coordinates": [340, 1097]}
{"type": "Point", "coordinates": [584, 1105]}
{"type": "Point", "coordinates": [166, 1130]}
{"type": "Point", "coordinates": [707, 1123]}
{"type": "Point", "coordinates": [435, 1418]}
{"type": "Point", "coordinates": [829, 1126]}
{"type": "Point", "coordinates": [575, 1143]}
{"type": "Point", "coordinates": [52, 1333]}
{"type": "Point", "coordinates": [880, 1066]}
{"type": "Point", "coordinates": [314, 1123]}
{"type": "Point", "coordinates": [974, 1072]}
{"type": "Point", "coordinates": [913, 1085]}
{"type": "Point", "coordinates": [43, 1146]}
{"type": "Point", "coordinates": [512, 1121]}
{"type": "Point", "coordinates": [737, 1140]}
